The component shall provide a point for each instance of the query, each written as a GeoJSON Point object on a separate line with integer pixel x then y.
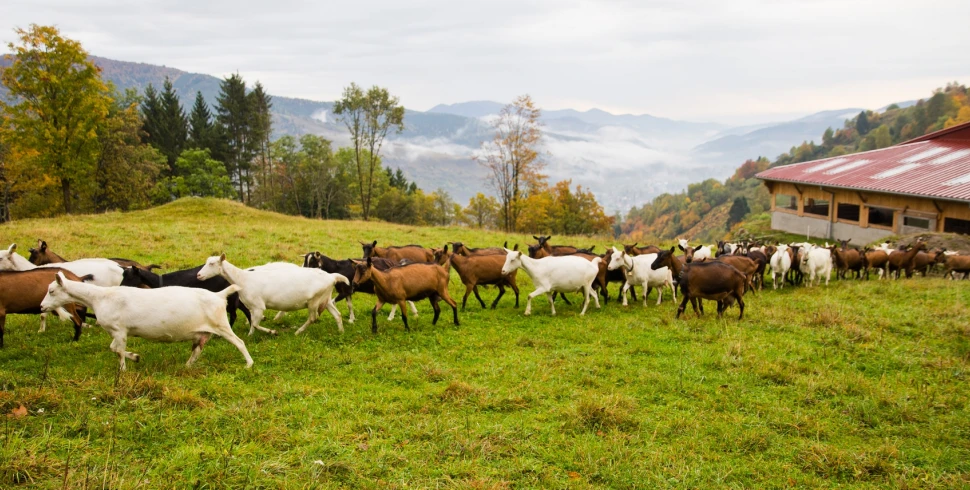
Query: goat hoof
{"type": "Point", "coordinates": [136, 358]}
{"type": "Point", "coordinates": [272, 332]}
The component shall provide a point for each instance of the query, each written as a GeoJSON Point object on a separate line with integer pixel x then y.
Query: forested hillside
{"type": "Point", "coordinates": [707, 210]}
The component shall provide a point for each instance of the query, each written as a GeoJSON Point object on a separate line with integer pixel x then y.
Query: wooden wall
{"type": "Point", "coordinates": [919, 207]}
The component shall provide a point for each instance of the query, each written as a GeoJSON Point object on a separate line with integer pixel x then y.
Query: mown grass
{"type": "Point", "coordinates": [856, 384]}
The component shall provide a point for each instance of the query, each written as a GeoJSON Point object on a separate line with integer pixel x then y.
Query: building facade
{"type": "Point", "coordinates": [916, 186]}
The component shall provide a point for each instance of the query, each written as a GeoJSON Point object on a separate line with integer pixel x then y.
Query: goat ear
{"type": "Point", "coordinates": [13, 248]}
{"type": "Point", "coordinates": [41, 245]}
{"type": "Point", "coordinates": [59, 277]}
{"type": "Point", "coordinates": [515, 248]}
{"type": "Point", "coordinates": [506, 244]}
{"type": "Point", "coordinates": [446, 248]}
{"type": "Point", "coordinates": [222, 258]}
{"type": "Point", "coordinates": [671, 250]}
{"type": "Point", "coordinates": [537, 238]}
{"type": "Point", "coordinates": [374, 244]}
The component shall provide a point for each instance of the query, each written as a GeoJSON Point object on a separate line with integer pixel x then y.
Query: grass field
{"type": "Point", "coordinates": [860, 384]}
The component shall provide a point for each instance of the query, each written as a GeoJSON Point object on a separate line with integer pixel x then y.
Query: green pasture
{"type": "Point", "coordinates": [858, 384]}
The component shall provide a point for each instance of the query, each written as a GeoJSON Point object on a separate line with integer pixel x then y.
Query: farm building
{"type": "Point", "coordinates": [918, 185]}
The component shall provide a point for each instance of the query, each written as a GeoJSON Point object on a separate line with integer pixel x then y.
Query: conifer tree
{"type": "Point", "coordinates": [173, 127]}
{"type": "Point", "coordinates": [233, 116]}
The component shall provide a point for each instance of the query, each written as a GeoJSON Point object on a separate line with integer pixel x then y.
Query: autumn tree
{"type": "Point", "coordinates": [481, 211]}
{"type": "Point", "coordinates": [59, 101]}
{"type": "Point", "coordinates": [126, 168]}
{"type": "Point", "coordinates": [512, 157]}
{"type": "Point", "coordinates": [368, 116]}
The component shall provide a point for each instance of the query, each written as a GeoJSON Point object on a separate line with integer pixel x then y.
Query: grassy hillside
{"type": "Point", "coordinates": [856, 384]}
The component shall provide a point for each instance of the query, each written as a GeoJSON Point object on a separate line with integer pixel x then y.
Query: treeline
{"type": "Point", "coordinates": [70, 142]}
{"type": "Point", "coordinates": [672, 215]}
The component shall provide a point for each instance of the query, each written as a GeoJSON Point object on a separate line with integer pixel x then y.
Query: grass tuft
{"type": "Point", "coordinates": [594, 412]}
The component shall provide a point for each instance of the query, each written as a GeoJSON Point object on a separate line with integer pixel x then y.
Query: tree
{"type": "Point", "coordinates": [173, 126]}
{"type": "Point", "coordinates": [197, 174]}
{"type": "Point", "coordinates": [481, 211]}
{"type": "Point", "coordinates": [368, 117]}
{"type": "Point", "coordinates": [512, 157]}
{"type": "Point", "coordinates": [233, 115]}
{"type": "Point", "coordinates": [151, 113]}
{"type": "Point", "coordinates": [61, 100]}
{"type": "Point", "coordinates": [126, 168]}
{"type": "Point", "coordinates": [261, 129]}
{"type": "Point", "coordinates": [862, 123]}
{"type": "Point", "coordinates": [739, 209]}
{"type": "Point", "coordinates": [203, 132]}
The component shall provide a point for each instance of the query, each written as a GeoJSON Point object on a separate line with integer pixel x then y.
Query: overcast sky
{"type": "Point", "coordinates": [734, 61]}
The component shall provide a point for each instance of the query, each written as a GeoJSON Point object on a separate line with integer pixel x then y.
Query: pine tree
{"type": "Point", "coordinates": [862, 124]}
{"type": "Point", "coordinates": [232, 109]}
{"type": "Point", "coordinates": [151, 113]}
{"type": "Point", "coordinates": [173, 127]}
{"type": "Point", "coordinates": [200, 124]}
{"type": "Point", "coordinates": [261, 127]}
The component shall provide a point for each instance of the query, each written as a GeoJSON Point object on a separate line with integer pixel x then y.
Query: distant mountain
{"type": "Point", "coordinates": [773, 139]}
{"type": "Point", "coordinates": [477, 109]}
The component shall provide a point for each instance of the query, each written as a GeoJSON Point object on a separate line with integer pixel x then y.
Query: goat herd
{"type": "Point", "coordinates": [131, 300]}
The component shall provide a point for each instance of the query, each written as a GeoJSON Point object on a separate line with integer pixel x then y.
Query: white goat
{"type": "Point", "coordinates": [171, 314]}
{"type": "Point", "coordinates": [700, 254]}
{"type": "Point", "coordinates": [563, 274]}
{"type": "Point", "coordinates": [817, 262]}
{"type": "Point", "coordinates": [106, 272]}
{"type": "Point", "coordinates": [639, 273]}
{"type": "Point", "coordinates": [780, 263]}
{"type": "Point", "coordinates": [279, 288]}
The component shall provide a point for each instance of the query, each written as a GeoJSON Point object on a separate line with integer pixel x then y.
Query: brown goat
{"type": "Point", "coordinates": [957, 264]}
{"type": "Point", "coordinates": [634, 250]}
{"type": "Point", "coordinates": [460, 248]}
{"type": "Point", "coordinates": [410, 282]}
{"type": "Point", "coordinates": [554, 250]}
{"type": "Point", "coordinates": [21, 293]}
{"type": "Point", "coordinates": [43, 255]}
{"type": "Point", "coordinates": [926, 261]}
{"type": "Point", "coordinates": [414, 253]}
{"type": "Point", "coordinates": [848, 259]}
{"type": "Point", "coordinates": [713, 280]}
{"type": "Point", "coordinates": [900, 260]}
{"type": "Point", "coordinates": [747, 266]}
{"type": "Point", "coordinates": [485, 270]}
{"type": "Point", "coordinates": [876, 259]}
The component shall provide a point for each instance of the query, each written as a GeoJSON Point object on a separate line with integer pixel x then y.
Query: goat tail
{"type": "Point", "coordinates": [87, 278]}
{"type": "Point", "coordinates": [596, 261]}
{"type": "Point", "coordinates": [341, 278]}
{"type": "Point", "coordinates": [225, 293]}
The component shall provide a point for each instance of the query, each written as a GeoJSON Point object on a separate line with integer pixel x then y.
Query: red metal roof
{"type": "Point", "coordinates": [936, 165]}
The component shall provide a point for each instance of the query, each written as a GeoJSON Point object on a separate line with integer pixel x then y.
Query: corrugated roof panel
{"type": "Point", "coordinates": [931, 166]}
{"type": "Point", "coordinates": [896, 171]}
{"type": "Point", "coordinates": [949, 157]}
{"type": "Point", "coordinates": [847, 167]}
{"type": "Point", "coordinates": [922, 155]}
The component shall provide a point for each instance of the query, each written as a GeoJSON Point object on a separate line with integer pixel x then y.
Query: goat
{"type": "Point", "coordinates": [21, 292]}
{"type": "Point", "coordinates": [816, 263]}
{"type": "Point", "coordinates": [876, 259]}
{"type": "Point", "coordinates": [848, 259]}
{"type": "Point", "coordinates": [135, 277]}
{"type": "Point", "coordinates": [167, 315]}
{"type": "Point", "coordinates": [747, 266]}
{"type": "Point", "coordinates": [460, 249]}
{"type": "Point", "coordinates": [279, 288]}
{"type": "Point", "coordinates": [345, 267]}
{"type": "Point", "coordinates": [760, 259]}
{"type": "Point", "coordinates": [412, 282]}
{"type": "Point", "coordinates": [780, 263]}
{"type": "Point", "coordinates": [483, 270]}
{"type": "Point", "coordinates": [603, 278]}
{"type": "Point", "coordinates": [634, 250]}
{"type": "Point", "coordinates": [954, 264]}
{"type": "Point", "coordinates": [900, 260]}
{"type": "Point", "coordinates": [555, 250]}
{"type": "Point", "coordinates": [555, 274]}
{"type": "Point", "coordinates": [43, 256]}
{"type": "Point", "coordinates": [104, 272]}
{"type": "Point", "coordinates": [725, 248]}
{"type": "Point", "coordinates": [414, 253]}
{"type": "Point", "coordinates": [691, 254]}
{"type": "Point", "coordinates": [926, 261]}
{"type": "Point", "coordinates": [713, 280]}
{"type": "Point", "coordinates": [638, 271]}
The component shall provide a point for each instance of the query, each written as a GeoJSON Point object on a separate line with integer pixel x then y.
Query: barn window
{"type": "Point", "coordinates": [953, 225]}
{"type": "Point", "coordinates": [785, 201]}
{"type": "Point", "coordinates": [817, 206]}
{"type": "Point", "coordinates": [916, 222]}
{"type": "Point", "coordinates": [848, 212]}
{"type": "Point", "coordinates": [881, 217]}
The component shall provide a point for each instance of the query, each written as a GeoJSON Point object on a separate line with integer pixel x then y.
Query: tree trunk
{"type": "Point", "coordinates": [66, 190]}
